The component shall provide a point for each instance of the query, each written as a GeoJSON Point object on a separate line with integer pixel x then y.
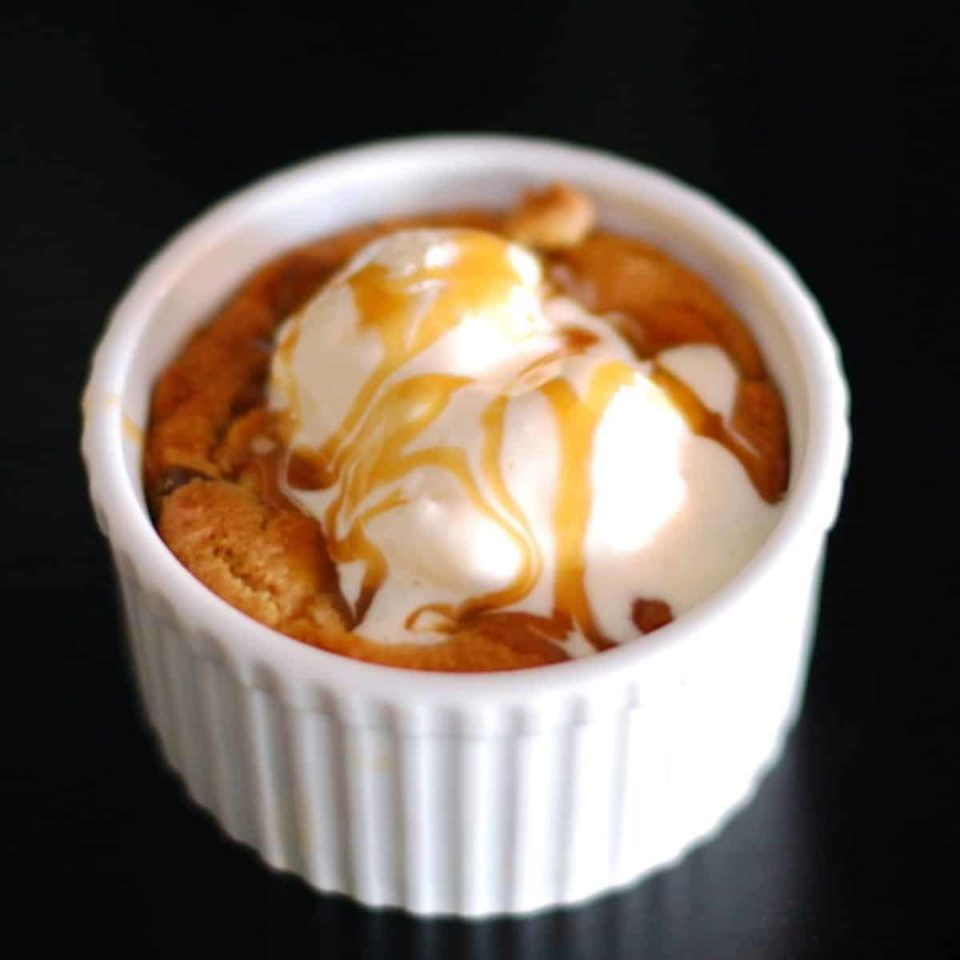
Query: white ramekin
{"type": "Point", "coordinates": [467, 794]}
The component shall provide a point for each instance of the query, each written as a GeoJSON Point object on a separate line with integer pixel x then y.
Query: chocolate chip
{"type": "Point", "coordinates": [650, 615]}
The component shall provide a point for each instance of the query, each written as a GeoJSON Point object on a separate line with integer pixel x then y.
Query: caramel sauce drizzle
{"type": "Point", "coordinates": [575, 340]}
{"type": "Point", "coordinates": [369, 451]}
{"type": "Point", "coordinates": [479, 277]}
{"type": "Point", "coordinates": [577, 419]}
{"type": "Point", "coordinates": [450, 616]}
{"type": "Point", "coordinates": [704, 422]}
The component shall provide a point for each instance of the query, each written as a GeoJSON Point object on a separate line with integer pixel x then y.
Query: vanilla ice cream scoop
{"type": "Point", "coordinates": [476, 448]}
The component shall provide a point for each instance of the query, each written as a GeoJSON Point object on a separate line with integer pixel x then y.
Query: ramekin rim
{"type": "Point", "coordinates": [810, 506]}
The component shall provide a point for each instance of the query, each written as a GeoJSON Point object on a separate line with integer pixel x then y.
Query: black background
{"type": "Point", "coordinates": [119, 124]}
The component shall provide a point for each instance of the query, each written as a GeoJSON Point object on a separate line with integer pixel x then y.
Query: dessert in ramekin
{"type": "Point", "coordinates": [457, 793]}
{"type": "Point", "coordinates": [468, 442]}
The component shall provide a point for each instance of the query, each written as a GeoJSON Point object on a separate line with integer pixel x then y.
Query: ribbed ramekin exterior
{"type": "Point", "coordinates": [475, 825]}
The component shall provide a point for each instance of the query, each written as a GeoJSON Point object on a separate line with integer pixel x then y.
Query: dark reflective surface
{"type": "Point", "coordinates": [121, 123]}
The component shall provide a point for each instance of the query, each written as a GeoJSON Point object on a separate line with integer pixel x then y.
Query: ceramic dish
{"type": "Point", "coordinates": [468, 794]}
